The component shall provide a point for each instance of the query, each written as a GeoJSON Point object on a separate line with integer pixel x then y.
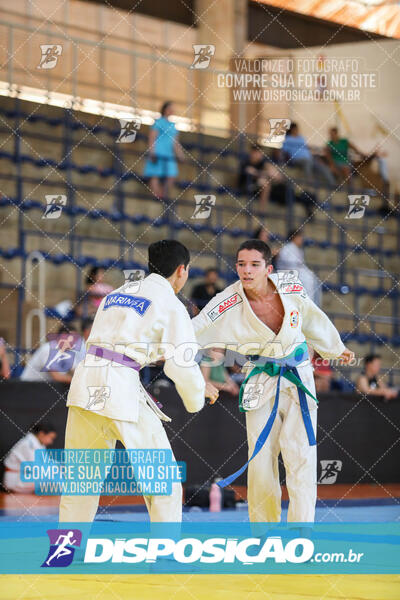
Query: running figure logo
{"type": "Point", "coordinates": [202, 55]}
{"type": "Point", "coordinates": [133, 280]}
{"type": "Point", "coordinates": [98, 396]}
{"type": "Point", "coordinates": [54, 205]}
{"type": "Point", "coordinates": [128, 131]}
{"type": "Point", "coordinates": [50, 54]}
{"type": "Point", "coordinates": [62, 352]}
{"type": "Point", "coordinates": [204, 204]}
{"type": "Point", "coordinates": [62, 547]}
{"type": "Point", "coordinates": [277, 130]}
{"type": "Point", "coordinates": [357, 206]}
{"type": "Point", "coordinates": [252, 395]}
{"type": "Point", "coordinates": [329, 471]}
{"type": "Point", "coordinates": [133, 275]}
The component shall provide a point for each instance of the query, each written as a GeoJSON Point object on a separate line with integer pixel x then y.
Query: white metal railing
{"type": "Point", "coordinates": [40, 297]}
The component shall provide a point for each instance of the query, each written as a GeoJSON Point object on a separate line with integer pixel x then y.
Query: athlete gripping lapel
{"type": "Point", "coordinates": [278, 395]}
{"type": "Point", "coordinates": [133, 326]}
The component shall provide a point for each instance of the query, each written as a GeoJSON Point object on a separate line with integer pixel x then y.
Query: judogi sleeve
{"type": "Point", "coordinates": [208, 330]}
{"type": "Point", "coordinates": [188, 380]}
{"type": "Point", "coordinates": [221, 321]}
{"type": "Point", "coordinates": [319, 330]}
{"type": "Point", "coordinates": [201, 323]}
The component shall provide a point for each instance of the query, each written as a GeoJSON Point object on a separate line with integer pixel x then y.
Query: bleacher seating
{"type": "Point", "coordinates": [110, 218]}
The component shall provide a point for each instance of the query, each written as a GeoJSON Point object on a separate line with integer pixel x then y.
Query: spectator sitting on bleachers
{"type": "Point", "coordinates": [5, 365]}
{"type": "Point", "coordinates": [43, 435]}
{"type": "Point", "coordinates": [56, 359]}
{"type": "Point", "coordinates": [369, 381]}
{"type": "Point", "coordinates": [337, 154]}
{"type": "Point", "coordinates": [161, 166]}
{"type": "Point", "coordinates": [299, 155]}
{"type": "Point", "coordinates": [291, 256]}
{"type": "Point", "coordinates": [283, 188]}
{"type": "Point", "coordinates": [96, 289]}
{"type": "Point", "coordinates": [256, 175]}
{"type": "Point", "coordinates": [203, 292]}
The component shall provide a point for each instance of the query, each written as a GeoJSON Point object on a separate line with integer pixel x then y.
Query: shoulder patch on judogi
{"type": "Point", "coordinates": [140, 305]}
{"type": "Point", "coordinates": [225, 305]}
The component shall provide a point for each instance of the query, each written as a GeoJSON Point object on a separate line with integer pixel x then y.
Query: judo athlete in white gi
{"type": "Point", "coordinates": [131, 325]}
{"type": "Point", "coordinates": [255, 317]}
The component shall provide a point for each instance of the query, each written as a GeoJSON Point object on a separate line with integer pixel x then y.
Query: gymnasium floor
{"type": "Point", "coordinates": [364, 503]}
{"type": "Point", "coordinates": [336, 503]}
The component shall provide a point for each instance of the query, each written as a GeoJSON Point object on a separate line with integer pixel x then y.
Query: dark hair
{"type": "Point", "coordinates": [292, 126]}
{"type": "Point", "coordinates": [90, 277]}
{"type": "Point", "coordinates": [257, 232]}
{"type": "Point", "coordinates": [165, 106]}
{"type": "Point", "coordinates": [44, 426]}
{"type": "Point", "coordinates": [256, 147]}
{"type": "Point", "coordinates": [370, 358]}
{"type": "Point", "coordinates": [166, 256]}
{"type": "Point", "coordinates": [86, 323]}
{"type": "Point", "coordinates": [64, 328]}
{"type": "Point", "coordinates": [294, 233]}
{"type": "Point", "coordinates": [211, 270]}
{"type": "Point", "coordinates": [262, 247]}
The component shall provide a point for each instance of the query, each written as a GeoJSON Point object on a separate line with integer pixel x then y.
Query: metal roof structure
{"type": "Point", "coordinates": [375, 16]}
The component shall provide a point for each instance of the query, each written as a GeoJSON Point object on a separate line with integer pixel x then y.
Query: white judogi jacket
{"type": "Point", "coordinates": [229, 319]}
{"type": "Point", "coordinates": [145, 321]}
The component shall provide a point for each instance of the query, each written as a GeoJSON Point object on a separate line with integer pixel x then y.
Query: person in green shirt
{"type": "Point", "coordinates": [214, 371]}
{"type": "Point", "coordinates": [338, 154]}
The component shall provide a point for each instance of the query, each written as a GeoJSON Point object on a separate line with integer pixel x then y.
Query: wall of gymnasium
{"type": "Point", "coordinates": [160, 70]}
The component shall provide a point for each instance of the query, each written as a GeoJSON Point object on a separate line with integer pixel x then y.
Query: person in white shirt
{"type": "Point", "coordinates": [41, 436]}
{"type": "Point", "coordinates": [56, 359]}
{"type": "Point", "coordinates": [274, 322]}
{"type": "Point", "coordinates": [137, 324]}
{"type": "Point", "coordinates": [291, 256]}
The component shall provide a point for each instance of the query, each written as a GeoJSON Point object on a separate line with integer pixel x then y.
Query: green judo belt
{"type": "Point", "coordinates": [278, 367]}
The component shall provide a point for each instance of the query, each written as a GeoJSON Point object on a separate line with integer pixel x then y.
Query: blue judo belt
{"type": "Point", "coordinates": [282, 367]}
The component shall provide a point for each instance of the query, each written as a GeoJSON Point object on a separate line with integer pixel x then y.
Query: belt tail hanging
{"type": "Point", "coordinates": [262, 438]}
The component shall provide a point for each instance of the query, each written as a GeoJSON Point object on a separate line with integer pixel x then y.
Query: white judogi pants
{"type": "Point", "coordinates": [288, 436]}
{"type": "Point", "coordinates": [86, 429]}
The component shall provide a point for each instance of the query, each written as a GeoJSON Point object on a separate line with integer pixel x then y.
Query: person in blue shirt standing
{"type": "Point", "coordinates": [299, 154]}
{"type": "Point", "coordinates": [161, 166]}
